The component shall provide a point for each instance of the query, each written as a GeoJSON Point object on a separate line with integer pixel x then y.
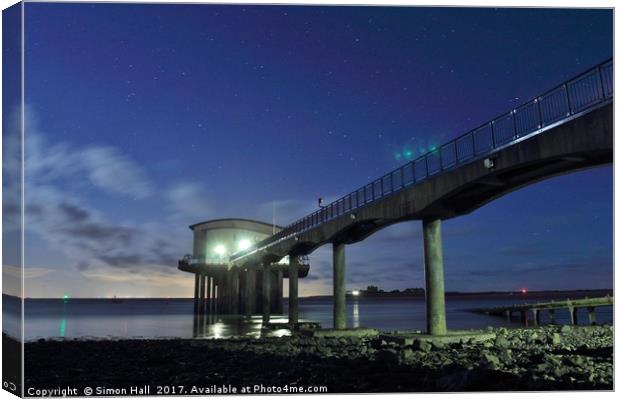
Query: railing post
{"type": "Point", "coordinates": [600, 79]}
{"type": "Point", "coordinates": [540, 118]}
{"type": "Point", "coordinates": [570, 108]}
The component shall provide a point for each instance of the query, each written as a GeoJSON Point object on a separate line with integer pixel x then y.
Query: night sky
{"type": "Point", "coordinates": [143, 119]}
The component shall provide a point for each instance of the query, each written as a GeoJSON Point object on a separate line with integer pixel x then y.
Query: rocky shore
{"type": "Point", "coordinates": [541, 358]}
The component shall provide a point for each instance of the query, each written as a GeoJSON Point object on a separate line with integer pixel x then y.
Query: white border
{"type": "Point", "coordinates": [457, 3]}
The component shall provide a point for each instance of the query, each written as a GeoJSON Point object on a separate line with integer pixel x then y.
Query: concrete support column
{"type": "Point", "coordinates": [278, 293]}
{"type": "Point", "coordinates": [217, 284]}
{"type": "Point", "coordinates": [591, 315]}
{"type": "Point", "coordinates": [216, 296]}
{"type": "Point", "coordinates": [201, 300]}
{"type": "Point", "coordinates": [266, 293]}
{"type": "Point", "coordinates": [572, 314]}
{"type": "Point", "coordinates": [196, 292]}
{"type": "Point", "coordinates": [524, 317]}
{"type": "Point", "coordinates": [208, 296]}
{"type": "Point", "coordinates": [226, 293]}
{"type": "Point", "coordinates": [433, 273]}
{"type": "Point", "coordinates": [234, 291]}
{"type": "Point", "coordinates": [552, 316]}
{"type": "Point", "coordinates": [293, 290]}
{"type": "Point", "coordinates": [340, 316]}
{"type": "Point", "coordinates": [250, 292]}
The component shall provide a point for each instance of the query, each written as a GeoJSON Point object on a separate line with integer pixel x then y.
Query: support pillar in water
{"type": "Point", "coordinates": [433, 273]}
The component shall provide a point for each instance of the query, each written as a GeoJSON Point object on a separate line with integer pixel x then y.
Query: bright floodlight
{"type": "Point", "coordinates": [220, 250]}
{"type": "Point", "coordinates": [244, 244]}
{"type": "Point", "coordinates": [355, 292]}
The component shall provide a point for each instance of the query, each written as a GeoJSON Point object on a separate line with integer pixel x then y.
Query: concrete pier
{"type": "Point", "coordinates": [266, 293]}
{"type": "Point", "coordinates": [293, 290]}
{"type": "Point", "coordinates": [433, 273]}
{"type": "Point", "coordinates": [250, 292]}
{"type": "Point", "coordinates": [571, 305]}
{"type": "Point", "coordinates": [340, 316]}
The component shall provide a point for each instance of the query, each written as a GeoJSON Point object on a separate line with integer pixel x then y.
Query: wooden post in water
{"type": "Point", "coordinates": [591, 315]}
{"type": "Point", "coordinates": [572, 314]}
{"type": "Point", "coordinates": [535, 317]}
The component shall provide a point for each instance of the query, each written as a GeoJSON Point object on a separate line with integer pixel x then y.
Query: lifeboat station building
{"type": "Point", "coordinates": [224, 288]}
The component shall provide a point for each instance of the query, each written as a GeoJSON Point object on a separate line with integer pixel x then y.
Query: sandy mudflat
{"type": "Point", "coordinates": [542, 358]}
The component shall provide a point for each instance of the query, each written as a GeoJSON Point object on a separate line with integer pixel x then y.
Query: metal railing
{"type": "Point", "coordinates": [190, 260]}
{"type": "Point", "coordinates": [582, 93]}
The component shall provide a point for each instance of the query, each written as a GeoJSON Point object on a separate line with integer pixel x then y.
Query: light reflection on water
{"type": "Point", "coordinates": [84, 318]}
{"type": "Point", "coordinates": [219, 326]}
{"type": "Point", "coordinates": [356, 313]}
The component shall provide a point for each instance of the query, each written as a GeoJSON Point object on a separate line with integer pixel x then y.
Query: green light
{"type": "Point", "coordinates": [397, 156]}
{"type": "Point", "coordinates": [63, 327]}
{"type": "Point", "coordinates": [66, 296]}
{"type": "Point", "coordinates": [433, 148]}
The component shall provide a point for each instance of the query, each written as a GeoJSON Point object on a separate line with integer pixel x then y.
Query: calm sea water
{"type": "Point", "coordinates": [158, 318]}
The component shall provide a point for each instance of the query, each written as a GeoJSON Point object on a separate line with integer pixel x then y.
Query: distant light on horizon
{"type": "Point", "coordinates": [524, 290]}
{"type": "Point", "coordinates": [355, 292]}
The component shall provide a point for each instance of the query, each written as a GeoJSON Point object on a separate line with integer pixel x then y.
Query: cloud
{"type": "Point", "coordinates": [64, 185]}
{"type": "Point", "coordinates": [29, 272]}
{"type": "Point", "coordinates": [64, 165]}
{"type": "Point", "coordinates": [114, 172]}
{"type": "Point", "coordinates": [158, 279]}
{"type": "Point", "coordinates": [188, 199]}
{"type": "Point", "coordinates": [72, 212]}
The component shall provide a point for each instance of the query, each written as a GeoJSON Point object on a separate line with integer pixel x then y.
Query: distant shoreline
{"type": "Point", "coordinates": [383, 295]}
